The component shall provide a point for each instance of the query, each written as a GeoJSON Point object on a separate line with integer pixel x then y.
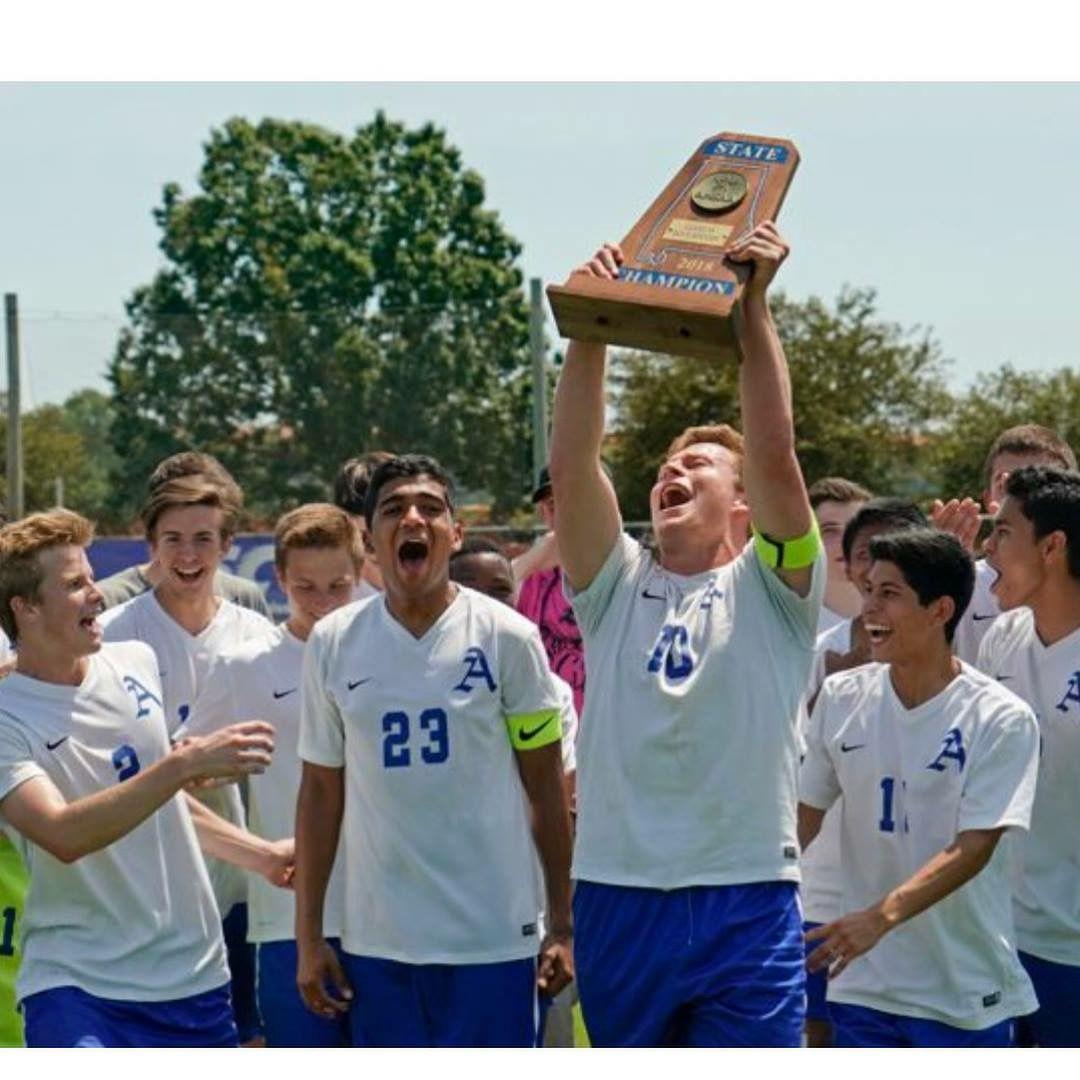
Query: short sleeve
{"type": "Point", "coordinates": [530, 695]}
{"type": "Point", "coordinates": [569, 723]}
{"type": "Point", "coordinates": [322, 731]}
{"type": "Point", "coordinates": [799, 613]}
{"type": "Point", "coordinates": [990, 649]}
{"type": "Point", "coordinates": [818, 784]}
{"type": "Point", "coordinates": [591, 603]}
{"type": "Point", "coordinates": [17, 764]}
{"type": "Point", "coordinates": [1000, 785]}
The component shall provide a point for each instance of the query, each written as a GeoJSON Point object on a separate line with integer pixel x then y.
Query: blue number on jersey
{"type": "Point", "coordinates": [395, 753]}
{"type": "Point", "coordinates": [672, 652]}
{"type": "Point", "coordinates": [7, 932]}
{"type": "Point", "coordinates": [125, 762]}
{"type": "Point", "coordinates": [886, 824]}
{"type": "Point", "coordinates": [395, 727]}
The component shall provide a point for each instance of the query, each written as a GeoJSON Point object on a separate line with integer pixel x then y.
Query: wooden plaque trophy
{"type": "Point", "coordinates": [676, 292]}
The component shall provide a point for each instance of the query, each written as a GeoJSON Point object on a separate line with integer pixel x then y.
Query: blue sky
{"type": "Point", "coordinates": [955, 201]}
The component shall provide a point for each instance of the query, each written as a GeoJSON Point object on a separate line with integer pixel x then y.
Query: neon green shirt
{"type": "Point", "coordinates": [13, 881]}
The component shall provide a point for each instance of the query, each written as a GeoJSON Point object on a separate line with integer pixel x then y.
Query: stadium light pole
{"type": "Point", "coordinates": [14, 419]}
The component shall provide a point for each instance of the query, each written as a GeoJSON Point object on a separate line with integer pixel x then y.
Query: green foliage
{"type": "Point", "coordinates": [323, 296]}
{"type": "Point", "coordinates": [998, 400]}
{"type": "Point", "coordinates": [866, 394]}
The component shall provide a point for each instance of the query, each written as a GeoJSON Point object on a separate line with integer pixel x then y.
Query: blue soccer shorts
{"type": "Point", "coordinates": [287, 1021]}
{"type": "Point", "coordinates": [67, 1016]}
{"type": "Point", "coordinates": [396, 1004]}
{"type": "Point", "coordinates": [1057, 1021]}
{"type": "Point", "coordinates": [857, 1025]}
{"type": "Point", "coordinates": [717, 965]}
{"type": "Point", "coordinates": [817, 982]}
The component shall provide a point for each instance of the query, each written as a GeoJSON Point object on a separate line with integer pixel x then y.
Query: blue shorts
{"type": "Point", "coordinates": [856, 1025]}
{"type": "Point", "coordinates": [1057, 1021]}
{"type": "Point", "coordinates": [817, 982]}
{"type": "Point", "coordinates": [397, 1004]}
{"type": "Point", "coordinates": [67, 1016]}
{"type": "Point", "coordinates": [718, 965]}
{"type": "Point", "coordinates": [240, 957]}
{"type": "Point", "coordinates": [287, 1021]}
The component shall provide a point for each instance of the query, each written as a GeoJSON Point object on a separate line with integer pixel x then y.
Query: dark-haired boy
{"type": "Point", "coordinates": [430, 736]}
{"type": "Point", "coordinates": [1034, 650]}
{"type": "Point", "coordinates": [934, 761]}
{"type": "Point", "coordinates": [350, 493]}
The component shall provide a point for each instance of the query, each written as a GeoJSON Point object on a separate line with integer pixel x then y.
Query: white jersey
{"type": "Point", "coordinates": [1047, 897]}
{"type": "Point", "coordinates": [979, 615]}
{"type": "Point", "coordinates": [260, 680]}
{"type": "Point", "coordinates": [828, 619]}
{"type": "Point", "coordinates": [688, 750]}
{"type": "Point", "coordinates": [185, 661]}
{"type": "Point", "coordinates": [822, 881]}
{"type": "Point", "coordinates": [911, 780]}
{"type": "Point", "coordinates": [439, 857]}
{"type": "Point", "coordinates": [135, 921]}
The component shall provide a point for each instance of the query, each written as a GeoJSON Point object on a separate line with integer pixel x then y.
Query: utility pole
{"type": "Point", "coordinates": [539, 376]}
{"type": "Point", "coordinates": [14, 422]}
{"type": "Point", "coordinates": [58, 489]}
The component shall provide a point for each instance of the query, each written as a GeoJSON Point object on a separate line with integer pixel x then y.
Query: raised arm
{"type": "Point", "coordinates": [775, 489]}
{"type": "Point", "coordinates": [70, 830]}
{"type": "Point", "coordinates": [587, 520]}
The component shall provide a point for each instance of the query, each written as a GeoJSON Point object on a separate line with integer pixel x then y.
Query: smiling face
{"type": "Point", "coordinates": [413, 533]}
{"type": "Point", "coordinates": [188, 546]}
{"type": "Point", "coordinates": [697, 494]}
{"type": "Point", "coordinates": [900, 628]}
{"type": "Point", "coordinates": [316, 581]}
{"type": "Point", "coordinates": [1019, 558]}
{"type": "Point", "coordinates": [63, 619]}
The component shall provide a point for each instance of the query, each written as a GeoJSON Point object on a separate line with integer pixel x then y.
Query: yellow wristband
{"type": "Point", "coordinates": [530, 731]}
{"type": "Point", "coordinates": [788, 554]}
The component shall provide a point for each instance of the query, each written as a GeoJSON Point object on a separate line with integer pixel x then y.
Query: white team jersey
{"type": "Point", "coordinates": [260, 680]}
{"type": "Point", "coordinates": [911, 780]}
{"type": "Point", "coordinates": [822, 881]}
{"type": "Point", "coordinates": [185, 661]}
{"type": "Point", "coordinates": [568, 723]}
{"type": "Point", "coordinates": [439, 857]}
{"type": "Point", "coordinates": [688, 750]}
{"type": "Point", "coordinates": [828, 619]}
{"type": "Point", "coordinates": [979, 616]}
{"type": "Point", "coordinates": [135, 921]}
{"type": "Point", "coordinates": [1047, 896]}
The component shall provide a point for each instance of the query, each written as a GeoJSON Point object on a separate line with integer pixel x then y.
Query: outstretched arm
{"type": "Point", "coordinates": [70, 830]}
{"type": "Point", "coordinates": [587, 520]}
{"type": "Point", "coordinates": [775, 489]}
{"type": "Point", "coordinates": [273, 859]}
{"type": "Point", "coordinates": [857, 933]}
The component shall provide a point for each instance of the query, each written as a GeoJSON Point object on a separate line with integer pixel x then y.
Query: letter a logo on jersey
{"type": "Point", "coordinates": [141, 695]}
{"type": "Point", "coordinates": [476, 668]}
{"type": "Point", "coordinates": [1072, 694]}
{"type": "Point", "coordinates": [951, 749]}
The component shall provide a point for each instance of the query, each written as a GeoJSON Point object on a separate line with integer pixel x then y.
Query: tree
{"type": "Point", "coordinates": [323, 296]}
{"type": "Point", "coordinates": [866, 396]}
{"type": "Point", "coordinates": [998, 400]}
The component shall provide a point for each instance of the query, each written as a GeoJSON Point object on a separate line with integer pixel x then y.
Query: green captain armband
{"type": "Point", "coordinates": [530, 731]}
{"type": "Point", "coordinates": [794, 554]}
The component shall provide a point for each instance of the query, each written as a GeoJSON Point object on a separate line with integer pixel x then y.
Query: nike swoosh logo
{"type": "Point", "coordinates": [981, 618]}
{"type": "Point", "coordinates": [1004, 678]}
{"type": "Point", "coordinates": [286, 693]}
{"type": "Point", "coordinates": [54, 745]}
{"type": "Point", "coordinates": [360, 682]}
{"type": "Point", "coordinates": [525, 736]}
{"type": "Point", "coordinates": [652, 596]}
{"type": "Point", "coordinates": [845, 749]}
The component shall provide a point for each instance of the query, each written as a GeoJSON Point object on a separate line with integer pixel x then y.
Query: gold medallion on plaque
{"type": "Point", "coordinates": [719, 191]}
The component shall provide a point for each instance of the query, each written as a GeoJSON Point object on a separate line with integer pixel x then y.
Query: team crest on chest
{"type": "Point", "coordinates": [477, 670]}
{"type": "Point", "coordinates": [952, 749]}
{"type": "Point", "coordinates": [142, 695]}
